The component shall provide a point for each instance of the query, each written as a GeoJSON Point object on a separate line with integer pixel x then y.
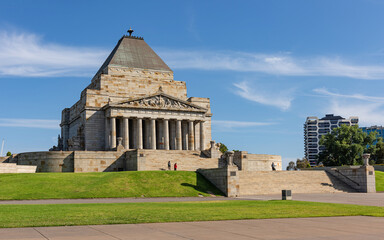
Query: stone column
{"type": "Point", "coordinates": [166, 134]}
{"type": "Point", "coordinates": [172, 135]}
{"type": "Point", "coordinates": [191, 136]}
{"type": "Point", "coordinates": [139, 133]}
{"type": "Point", "coordinates": [153, 133]}
{"type": "Point", "coordinates": [178, 135]}
{"type": "Point", "coordinates": [184, 134]}
{"type": "Point", "coordinates": [113, 132]}
{"type": "Point", "coordinates": [106, 135]}
{"type": "Point", "coordinates": [202, 136]}
{"type": "Point", "coordinates": [126, 133]}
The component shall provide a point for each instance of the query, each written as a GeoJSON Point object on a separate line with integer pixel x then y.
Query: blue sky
{"type": "Point", "coordinates": [265, 65]}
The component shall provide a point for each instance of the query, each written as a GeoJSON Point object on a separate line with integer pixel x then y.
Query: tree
{"type": "Point", "coordinates": [377, 156]}
{"type": "Point", "coordinates": [345, 145]}
{"type": "Point", "coordinates": [9, 154]}
{"type": "Point", "coordinates": [302, 163]}
{"type": "Point", "coordinates": [223, 148]}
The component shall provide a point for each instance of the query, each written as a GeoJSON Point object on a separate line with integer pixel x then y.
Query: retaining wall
{"type": "Point", "coordinates": [14, 168]}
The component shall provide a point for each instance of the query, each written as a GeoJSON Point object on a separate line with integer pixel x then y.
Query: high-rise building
{"type": "Point", "coordinates": [314, 128]}
{"type": "Point", "coordinates": [378, 129]}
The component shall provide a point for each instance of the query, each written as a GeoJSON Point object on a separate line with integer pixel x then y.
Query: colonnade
{"type": "Point", "coordinates": [151, 133]}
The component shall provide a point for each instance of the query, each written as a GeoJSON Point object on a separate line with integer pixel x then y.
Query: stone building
{"type": "Point", "coordinates": [134, 116]}
{"type": "Point", "coordinates": [134, 101]}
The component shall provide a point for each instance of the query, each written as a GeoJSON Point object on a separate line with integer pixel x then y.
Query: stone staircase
{"type": "Point", "coordinates": [272, 182]}
{"type": "Point", "coordinates": [186, 160]}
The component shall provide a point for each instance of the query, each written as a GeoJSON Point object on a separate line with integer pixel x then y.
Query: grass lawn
{"type": "Point", "coordinates": [120, 213]}
{"type": "Point", "coordinates": [104, 185]}
{"type": "Point", "coordinates": [379, 181]}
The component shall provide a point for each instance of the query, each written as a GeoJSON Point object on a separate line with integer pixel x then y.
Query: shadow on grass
{"type": "Point", "coordinates": [204, 186]}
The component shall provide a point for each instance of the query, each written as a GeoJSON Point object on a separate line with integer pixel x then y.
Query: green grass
{"type": "Point", "coordinates": [379, 181]}
{"type": "Point", "coordinates": [104, 185]}
{"type": "Point", "coordinates": [120, 213]}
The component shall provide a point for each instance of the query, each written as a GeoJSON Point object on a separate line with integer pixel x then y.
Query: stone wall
{"type": "Point", "coordinates": [3, 159]}
{"type": "Point", "coordinates": [99, 161]}
{"type": "Point", "coordinates": [256, 162]}
{"type": "Point", "coordinates": [60, 161]}
{"type": "Point", "coordinates": [94, 130]}
{"type": "Point", "coordinates": [107, 161]}
{"type": "Point", "coordinates": [379, 168]}
{"type": "Point", "coordinates": [361, 178]}
{"type": "Point", "coordinates": [13, 168]}
{"type": "Point", "coordinates": [222, 179]}
{"type": "Point", "coordinates": [245, 183]}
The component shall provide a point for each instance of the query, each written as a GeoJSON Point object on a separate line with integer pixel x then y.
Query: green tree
{"type": "Point", "coordinates": [345, 145]}
{"type": "Point", "coordinates": [9, 154]}
{"type": "Point", "coordinates": [378, 154]}
{"type": "Point", "coordinates": [223, 148]}
{"type": "Point", "coordinates": [302, 163]}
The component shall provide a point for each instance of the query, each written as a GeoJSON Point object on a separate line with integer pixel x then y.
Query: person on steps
{"type": "Point", "coordinates": [273, 166]}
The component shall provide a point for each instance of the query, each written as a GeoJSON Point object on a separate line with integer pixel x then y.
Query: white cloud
{"type": "Point", "coordinates": [325, 92]}
{"type": "Point", "coordinates": [25, 54]}
{"type": "Point", "coordinates": [280, 99]}
{"type": "Point", "coordinates": [369, 109]}
{"type": "Point", "coordinates": [369, 113]}
{"type": "Point", "coordinates": [239, 124]}
{"type": "Point", "coordinates": [29, 123]}
{"type": "Point", "coordinates": [276, 64]}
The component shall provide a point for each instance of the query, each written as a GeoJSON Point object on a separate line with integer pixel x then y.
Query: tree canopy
{"type": "Point", "coordinates": [345, 145]}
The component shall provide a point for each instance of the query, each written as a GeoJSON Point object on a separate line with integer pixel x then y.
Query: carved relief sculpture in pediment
{"type": "Point", "coordinates": [160, 102]}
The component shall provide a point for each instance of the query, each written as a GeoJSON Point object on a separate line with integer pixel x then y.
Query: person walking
{"type": "Point", "coordinates": [273, 166]}
{"type": "Point", "coordinates": [175, 167]}
{"type": "Point", "coordinates": [169, 165]}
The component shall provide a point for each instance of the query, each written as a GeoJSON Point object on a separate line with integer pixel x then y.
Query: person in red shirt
{"type": "Point", "coordinates": [175, 167]}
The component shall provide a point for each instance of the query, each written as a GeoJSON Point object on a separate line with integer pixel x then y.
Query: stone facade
{"type": "Point", "coordinates": [134, 97]}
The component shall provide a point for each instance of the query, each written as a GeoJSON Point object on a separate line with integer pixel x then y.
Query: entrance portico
{"type": "Point", "coordinates": [158, 124]}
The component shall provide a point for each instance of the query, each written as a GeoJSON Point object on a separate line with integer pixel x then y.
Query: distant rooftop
{"type": "Point", "coordinates": [331, 117]}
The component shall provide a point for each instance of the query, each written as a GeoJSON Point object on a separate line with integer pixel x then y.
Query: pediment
{"type": "Point", "coordinates": [160, 101]}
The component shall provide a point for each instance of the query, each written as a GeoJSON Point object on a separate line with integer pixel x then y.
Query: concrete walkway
{"type": "Point", "coordinates": [115, 200]}
{"type": "Point", "coordinates": [369, 199]}
{"type": "Point", "coordinates": [299, 228]}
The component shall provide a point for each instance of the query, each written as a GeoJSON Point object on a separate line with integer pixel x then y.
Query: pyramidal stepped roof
{"type": "Point", "coordinates": [134, 52]}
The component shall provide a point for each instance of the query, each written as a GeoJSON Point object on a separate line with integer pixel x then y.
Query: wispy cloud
{"type": "Point", "coordinates": [225, 125]}
{"type": "Point", "coordinates": [369, 109]}
{"type": "Point", "coordinates": [276, 64]}
{"type": "Point", "coordinates": [29, 123]}
{"type": "Point", "coordinates": [26, 54]}
{"type": "Point", "coordinates": [368, 113]}
{"type": "Point", "coordinates": [325, 92]}
{"type": "Point", "coordinates": [279, 99]}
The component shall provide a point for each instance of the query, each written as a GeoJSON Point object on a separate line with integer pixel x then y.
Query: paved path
{"type": "Point", "coordinates": [298, 228]}
{"type": "Point", "coordinates": [369, 199]}
{"type": "Point", "coordinates": [115, 200]}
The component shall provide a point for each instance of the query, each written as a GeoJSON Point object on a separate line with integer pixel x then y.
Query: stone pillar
{"type": "Point", "coordinates": [172, 135]}
{"type": "Point", "coordinates": [107, 147]}
{"type": "Point", "coordinates": [202, 147]}
{"type": "Point", "coordinates": [153, 133]}
{"type": "Point", "coordinates": [126, 133]}
{"type": "Point", "coordinates": [178, 135]}
{"type": "Point", "coordinates": [191, 136]}
{"type": "Point", "coordinates": [166, 134]}
{"type": "Point", "coordinates": [184, 134]}
{"type": "Point", "coordinates": [139, 133]}
{"type": "Point", "coordinates": [113, 132]}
